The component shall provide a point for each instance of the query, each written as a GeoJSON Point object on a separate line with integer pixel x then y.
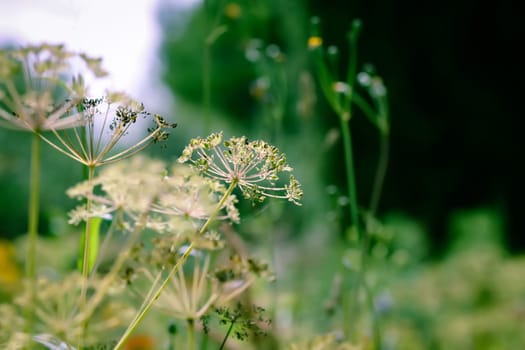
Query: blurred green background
{"type": "Point", "coordinates": [450, 72]}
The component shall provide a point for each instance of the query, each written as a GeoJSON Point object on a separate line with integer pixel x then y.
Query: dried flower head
{"type": "Point", "coordinates": [57, 315]}
{"type": "Point", "coordinates": [253, 165]}
{"type": "Point", "coordinates": [195, 287]}
{"type": "Point", "coordinates": [100, 138]}
{"type": "Point", "coordinates": [34, 93]}
{"type": "Point", "coordinates": [189, 199]}
{"type": "Point", "coordinates": [128, 188]}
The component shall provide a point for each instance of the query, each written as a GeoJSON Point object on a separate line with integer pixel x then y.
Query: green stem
{"type": "Point", "coordinates": [380, 174]}
{"type": "Point", "coordinates": [85, 262]}
{"type": "Point", "coordinates": [227, 335]}
{"type": "Point", "coordinates": [191, 334]}
{"type": "Point", "coordinates": [344, 118]}
{"type": "Point", "coordinates": [34, 199]}
{"type": "Point", "coordinates": [147, 305]}
{"type": "Point", "coordinates": [376, 331]}
{"type": "Point", "coordinates": [204, 342]}
{"type": "Point", "coordinates": [86, 236]}
{"type": "Point", "coordinates": [206, 73]}
{"type": "Point", "coordinates": [206, 88]}
{"type": "Point", "coordinates": [84, 314]}
{"type": "Point", "coordinates": [374, 203]}
{"type": "Point", "coordinates": [350, 173]}
{"type": "Point", "coordinates": [352, 308]}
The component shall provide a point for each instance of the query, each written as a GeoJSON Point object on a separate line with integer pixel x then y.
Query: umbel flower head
{"type": "Point", "coordinates": [178, 201]}
{"type": "Point", "coordinates": [56, 312]}
{"type": "Point", "coordinates": [34, 92]}
{"type": "Point", "coordinates": [189, 199]}
{"type": "Point", "coordinates": [125, 188]}
{"type": "Point", "coordinates": [196, 287]}
{"type": "Point", "coordinates": [98, 139]}
{"type": "Point", "coordinates": [253, 165]}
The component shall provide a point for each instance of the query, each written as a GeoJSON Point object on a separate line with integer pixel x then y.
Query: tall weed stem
{"type": "Point", "coordinates": [85, 258]}
{"type": "Point", "coordinates": [191, 334]}
{"type": "Point", "coordinates": [214, 32]}
{"type": "Point", "coordinates": [34, 199]}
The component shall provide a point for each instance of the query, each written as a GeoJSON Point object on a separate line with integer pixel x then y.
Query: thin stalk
{"type": "Point", "coordinates": [191, 334]}
{"type": "Point", "coordinates": [344, 118]}
{"type": "Point", "coordinates": [86, 237]}
{"type": "Point", "coordinates": [147, 305]}
{"type": "Point", "coordinates": [206, 88]}
{"type": "Point", "coordinates": [227, 335]}
{"type": "Point", "coordinates": [214, 31]}
{"type": "Point", "coordinates": [33, 209]}
{"type": "Point", "coordinates": [374, 203]}
{"type": "Point", "coordinates": [350, 173]}
{"type": "Point", "coordinates": [351, 307]}
{"type": "Point", "coordinates": [105, 284]}
{"type": "Point", "coordinates": [376, 331]}
{"type": "Point", "coordinates": [86, 243]}
{"type": "Point", "coordinates": [206, 72]}
{"type": "Point", "coordinates": [384, 150]}
{"type": "Point", "coordinates": [204, 342]}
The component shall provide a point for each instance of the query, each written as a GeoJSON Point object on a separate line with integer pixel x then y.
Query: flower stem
{"type": "Point", "coordinates": [34, 198]}
{"type": "Point", "coordinates": [154, 296]}
{"type": "Point", "coordinates": [227, 335]}
{"type": "Point", "coordinates": [380, 174]}
{"type": "Point", "coordinates": [206, 73]}
{"type": "Point", "coordinates": [191, 334]}
{"type": "Point", "coordinates": [85, 262]}
{"type": "Point", "coordinates": [350, 174]}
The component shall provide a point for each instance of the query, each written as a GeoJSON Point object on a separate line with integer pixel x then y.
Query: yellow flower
{"type": "Point", "coordinates": [314, 42]}
{"type": "Point", "coordinates": [9, 272]}
{"type": "Point", "coordinates": [232, 10]}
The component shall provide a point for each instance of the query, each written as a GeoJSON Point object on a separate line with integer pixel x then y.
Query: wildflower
{"type": "Point", "coordinates": [253, 165]}
{"type": "Point", "coordinates": [191, 297]}
{"type": "Point", "coordinates": [314, 42]}
{"type": "Point", "coordinates": [106, 121]}
{"type": "Point", "coordinates": [128, 187]}
{"type": "Point", "coordinates": [57, 320]}
{"type": "Point", "coordinates": [33, 93]}
{"type": "Point", "coordinates": [189, 199]}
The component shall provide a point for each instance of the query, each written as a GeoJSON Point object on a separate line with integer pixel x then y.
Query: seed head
{"type": "Point", "coordinates": [35, 94]}
{"type": "Point", "coordinates": [254, 165]}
